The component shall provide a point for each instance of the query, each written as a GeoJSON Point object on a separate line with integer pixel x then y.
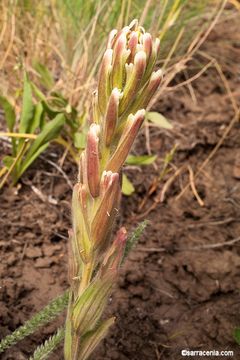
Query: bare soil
{"type": "Point", "coordinates": [180, 286]}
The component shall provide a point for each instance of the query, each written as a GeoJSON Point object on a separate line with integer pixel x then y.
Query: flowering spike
{"type": "Point", "coordinates": [106, 213]}
{"type": "Point", "coordinates": [132, 127]}
{"type": "Point", "coordinates": [151, 61]}
{"type": "Point", "coordinates": [80, 227]}
{"type": "Point", "coordinates": [104, 80]}
{"type": "Point", "coordinates": [111, 116]}
{"type": "Point", "coordinates": [92, 159]}
{"type": "Point", "coordinates": [120, 56]}
{"type": "Point", "coordinates": [132, 45]}
{"type": "Point", "coordinates": [113, 257]}
{"type": "Point", "coordinates": [149, 90]}
{"type": "Point", "coordinates": [111, 37]}
{"type": "Point", "coordinates": [73, 260]}
{"type": "Point", "coordinates": [124, 30]}
{"type": "Point", "coordinates": [134, 80]}
{"type": "Point", "coordinates": [96, 111]}
{"type": "Point", "coordinates": [147, 44]}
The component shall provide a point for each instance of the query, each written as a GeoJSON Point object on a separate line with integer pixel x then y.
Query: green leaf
{"type": "Point", "coordinates": [29, 160]}
{"type": "Point", "coordinates": [38, 92]}
{"type": "Point", "coordinates": [51, 111]}
{"type": "Point", "coordinates": [159, 120]}
{"type": "Point", "coordinates": [236, 335]}
{"type": "Point", "coordinates": [37, 118]}
{"type": "Point", "coordinates": [49, 133]}
{"type": "Point", "coordinates": [27, 107]}
{"type": "Point", "coordinates": [140, 160]}
{"type": "Point", "coordinates": [45, 75]}
{"type": "Point", "coordinates": [79, 140]}
{"type": "Point", "coordinates": [9, 112]}
{"type": "Point", "coordinates": [127, 186]}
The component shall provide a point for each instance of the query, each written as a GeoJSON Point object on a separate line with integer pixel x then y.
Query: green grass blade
{"type": "Point", "coordinates": [27, 107]}
{"type": "Point", "coordinates": [10, 117]}
{"type": "Point", "coordinates": [49, 133]}
{"type": "Point", "coordinates": [9, 112]}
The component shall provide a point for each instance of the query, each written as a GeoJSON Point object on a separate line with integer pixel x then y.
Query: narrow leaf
{"type": "Point", "coordinates": [10, 117]}
{"type": "Point", "coordinates": [26, 163]}
{"type": "Point", "coordinates": [36, 121]}
{"type": "Point", "coordinates": [27, 107]}
{"type": "Point", "coordinates": [38, 92]}
{"type": "Point", "coordinates": [159, 120]}
{"type": "Point", "coordinates": [49, 133]}
{"type": "Point", "coordinates": [127, 187]}
{"type": "Point", "coordinates": [9, 112]}
{"type": "Point", "coordinates": [45, 75]}
{"type": "Point", "coordinates": [140, 160]}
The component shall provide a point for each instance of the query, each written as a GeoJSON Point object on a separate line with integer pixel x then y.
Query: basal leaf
{"type": "Point", "coordinates": [37, 117]}
{"type": "Point", "coordinates": [49, 133]}
{"type": "Point", "coordinates": [45, 75]}
{"type": "Point", "coordinates": [27, 107]}
{"type": "Point", "coordinates": [9, 112]}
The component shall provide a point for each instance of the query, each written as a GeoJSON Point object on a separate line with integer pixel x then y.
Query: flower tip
{"type": "Point", "coordinates": [92, 159]}
{"type": "Point", "coordinates": [107, 57]}
{"type": "Point", "coordinates": [94, 131]}
{"type": "Point", "coordinates": [140, 113]}
{"type": "Point", "coordinates": [157, 75]}
{"type": "Point", "coordinates": [147, 44]}
{"type": "Point", "coordinates": [111, 37]}
{"type": "Point", "coordinates": [114, 178]}
{"type": "Point", "coordinates": [140, 57]}
{"type": "Point", "coordinates": [121, 235]}
{"type": "Point", "coordinates": [133, 24]}
{"type": "Point", "coordinates": [116, 93]}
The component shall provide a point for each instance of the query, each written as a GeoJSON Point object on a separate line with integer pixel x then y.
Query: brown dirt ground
{"type": "Point", "coordinates": [180, 286]}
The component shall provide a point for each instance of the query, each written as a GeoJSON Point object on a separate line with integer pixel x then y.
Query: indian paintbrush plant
{"type": "Point", "coordinates": [126, 83]}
